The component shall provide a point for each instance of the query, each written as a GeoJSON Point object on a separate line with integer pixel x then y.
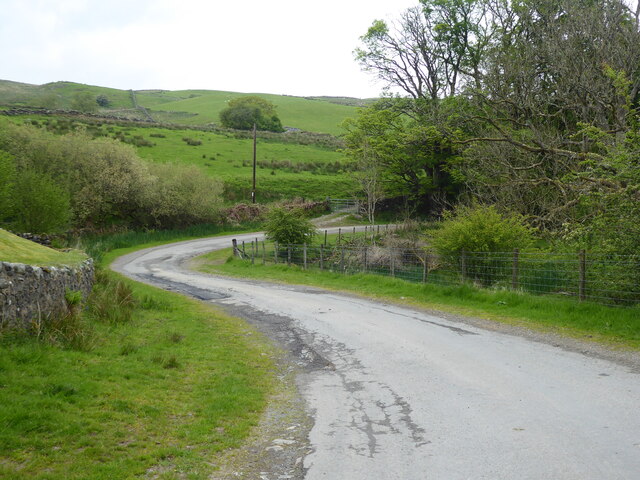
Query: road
{"type": "Point", "coordinates": [397, 393]}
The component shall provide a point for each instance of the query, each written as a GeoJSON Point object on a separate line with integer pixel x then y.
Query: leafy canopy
{"type": "Point", "coordinates": [244, 112]}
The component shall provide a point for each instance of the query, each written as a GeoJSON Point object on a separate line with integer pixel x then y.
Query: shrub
{"type": "Point", "coordinates": [245, 212]}
{"type": "Point", "coordinates": [41, 206]}
{"type": "Point", "coordinates": [192, 142]}
{"type": "Point", "coordinates": [288, 227]}
{"type": "Point", "coordinates": [7, 181]}
{"type": "Point", "coordinates": [103, 100]}
{"type": "Point", "coordinates": [481, 229]}
{"type": "Point", "coordinates": [181, 196]}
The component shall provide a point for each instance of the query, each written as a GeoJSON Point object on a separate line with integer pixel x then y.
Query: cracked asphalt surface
{"type": "Point", "coordinates": [391, 392]}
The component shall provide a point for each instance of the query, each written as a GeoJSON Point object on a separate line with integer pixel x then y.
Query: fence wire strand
{"type": "Point", "coordinates": [607, 279]}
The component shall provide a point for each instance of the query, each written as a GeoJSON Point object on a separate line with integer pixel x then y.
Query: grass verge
{"type": "Point", "coordinates": [18, 250]}
{"type": "Point", "coordinates": [615, 326]}
{"type": "Point", "coordinates": [158, 393]}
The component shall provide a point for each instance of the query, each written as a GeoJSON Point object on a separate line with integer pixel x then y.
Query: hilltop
{"type": "Point", "coordinates": [184, 107]}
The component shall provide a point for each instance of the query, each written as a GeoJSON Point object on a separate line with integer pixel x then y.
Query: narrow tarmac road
{"type": "Point", "coordinates": [396, 393]}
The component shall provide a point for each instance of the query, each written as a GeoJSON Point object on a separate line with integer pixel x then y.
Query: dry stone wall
{"type": "Point", "coordinates": [28, 293]}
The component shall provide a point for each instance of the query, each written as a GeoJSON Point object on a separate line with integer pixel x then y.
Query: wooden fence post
{"type": "Point", "coordinates": [514, 269]}
{"type": "Point", "coordinates": [244, 253]}
{"type": "Point", "coordinates": [342, 259]}
{"type": "Point", "coordinates": [463, 265]}
{"type": "Point", "coordinates": [321, 257]}
{"type": "Point", "coordinates": [252, 253]}
{"type": "Point", "coordinates": [425, 270]}
{"type": "Point", "coordinates": [392, 263]}
{"type": "Point", "coordinates": [366, 266]}
{"type": "Point", "coordinates": [275, 252]}
{"type": "Point", "coordinates": [304, 257]}
{"type": "Point", "coordinates": [289, 254]}
{"type": "Point", "coordinates": [582, 285]}
{"type": "Point", "coordinates": [234, 242]}
{"type": "Point", "coordinates": [264, 254]}
{"type": "Point", "coordinates": [325, 238]}
{"type": "Point", "coordinates": [339, 235]}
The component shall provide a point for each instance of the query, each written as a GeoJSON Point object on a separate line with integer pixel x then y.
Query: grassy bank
{"type": "Point", "coordinates": [620, 326]}
{"type": "Point", "coordinates": [18, 250]}
{"type": "Point", "coordinates": [157, 394]}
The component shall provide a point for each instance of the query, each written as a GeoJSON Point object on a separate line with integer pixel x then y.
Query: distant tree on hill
{"type": "Point", "coordinates": [103, 100]}
{"type": "Point", "coordinates": [243, 112]}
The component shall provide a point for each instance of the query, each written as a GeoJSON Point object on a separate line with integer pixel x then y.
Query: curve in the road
{"type": "Point", "coordinates": [399, 394]}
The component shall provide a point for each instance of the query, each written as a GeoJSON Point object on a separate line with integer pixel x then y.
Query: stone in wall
{"type": "Point", "coordinates": [28, 292]}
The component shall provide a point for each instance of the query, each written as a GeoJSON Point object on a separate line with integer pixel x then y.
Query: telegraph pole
{"type": "Point", "coordinates": [253, 191]}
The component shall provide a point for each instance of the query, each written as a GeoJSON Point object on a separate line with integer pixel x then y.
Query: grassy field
{"type": "Point", "coordinates": [17, 250]}
{"type": "Point", "coordinates": [161, 394]}
{"type": "Point", "coordinates": [188, 107]}
{"type": "Point", "coordinates": [285, 170]}
{"type": "Point", "coordinates": [618, 326]}
{"type": "Point", "coordinates": [204, 106]}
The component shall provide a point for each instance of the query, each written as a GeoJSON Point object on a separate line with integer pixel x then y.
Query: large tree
{"type": "Point", "coordinates": [532, 75]}
{"type": "Point", "coordinates": [433, 50]}
{"type": "Point", "coordinates": [554, 71]}
{"type": "Point", "coordinates": [409, 158]}
{"type": "Point", "coordinates": [243, 113]}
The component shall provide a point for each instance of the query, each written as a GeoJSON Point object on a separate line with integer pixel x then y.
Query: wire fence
{"type": "Point", "coordinates": [607, 279]}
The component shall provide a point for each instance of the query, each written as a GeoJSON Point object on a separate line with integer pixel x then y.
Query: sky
{"type": "Point", "coordinates": [291, 47]}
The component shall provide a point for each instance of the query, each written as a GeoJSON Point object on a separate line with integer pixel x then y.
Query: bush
{"type": "Point", "coordinates": [181, 195]}
{"type": "Point", "coordinates": [7, 181]}
{"type": "Point", "coordinates": [103, 100]}
{"type": "Point", "coordinates": [244, 213]}
{"type": "Point", "coordinates": [191, 141]}
{"type": "Point", "coordinates": [481, 229]}
{"type": "Point", "coordinates": [288, 227]}
{"type": "Point", "coordinates": [41, 206]}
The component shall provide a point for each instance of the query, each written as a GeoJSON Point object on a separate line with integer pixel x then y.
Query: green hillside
{"type": "Point", "coordinates": [286, 168]}
{"type": "Point", "coordinates": [185, 107]}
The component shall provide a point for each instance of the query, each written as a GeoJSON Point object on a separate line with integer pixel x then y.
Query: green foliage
{"type": "Point", "coordinates": [41, 205]}
{"type": "Point", "coordinates": [73, 297]}
{"type": "Point", "coordinates": [84, 102]}
{"type": "Point", "coordinates": [7, 182]}
{"type": "Point", "coordinates": [413, 155]}
{"type": "Point", "coordinates": [103, 100]}
{"type": "Point", "coordinates": [288, 227]}
{"type": "Point", "coordinates": [182, 196]}
{"type": "Point", "coordinates": [102, 182]}
{"type": "Point", "coordinates": [245, 112]}
{"type": "Point", "coordinates": [481, 229]}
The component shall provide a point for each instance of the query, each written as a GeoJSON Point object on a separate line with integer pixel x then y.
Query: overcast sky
{"type": "Point", "coordinates": [292, 47]}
